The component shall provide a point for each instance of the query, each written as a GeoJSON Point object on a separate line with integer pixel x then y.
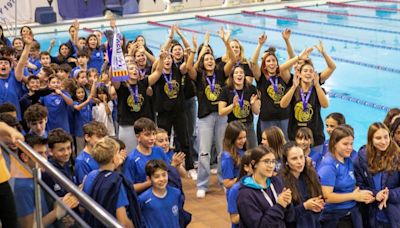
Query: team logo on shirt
{"type": "Point", "coordinates": [175, 210]}
{"type": "Point", "coordinates": [276, 97]}
{"type": "Point", "coordinates": [213, 96]}
{"type": "Point", "coordinates": [135, 107]}
{"type": "Point", "coordinates": [300, 114]}
{"type": "Point", "coordinates": [173, 93]}
{"type": "Point", "coordinates": [351, 174]}
{"type": "Point", "coordinates": [242, 113]}
{"type": "Point", "coordinates": [57, 101]}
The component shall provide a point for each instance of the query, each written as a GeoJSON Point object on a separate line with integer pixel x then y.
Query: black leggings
{"type": "Point", "coordinates": [8, 212]}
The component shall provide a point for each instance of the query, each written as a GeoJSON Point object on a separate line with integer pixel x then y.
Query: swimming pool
{"type": "Point", "coordinates": [363, 42]}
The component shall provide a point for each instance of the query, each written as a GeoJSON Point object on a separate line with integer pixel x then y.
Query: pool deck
{"type": "Point", "coordinates": [210, 211]}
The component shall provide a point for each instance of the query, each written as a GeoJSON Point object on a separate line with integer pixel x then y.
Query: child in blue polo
{"type": "Point", "coordinates": [134, 167]}
{"type": "Point", "coordinates": [84, 163]}
{"type": "Point", "coordinates": [109, 188]}
{"type": "Point", "coordinates": [160, 204]}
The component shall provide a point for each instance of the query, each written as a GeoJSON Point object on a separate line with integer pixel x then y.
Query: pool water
{"type": "Point", "coordinates": [367, 60]}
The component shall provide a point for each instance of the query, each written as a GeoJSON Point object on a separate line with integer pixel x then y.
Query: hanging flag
{"type": "Point", "coordinates": [118, 65]}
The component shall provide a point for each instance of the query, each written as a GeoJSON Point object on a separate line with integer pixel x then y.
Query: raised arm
{"type": "Point", "coordinates": [286, 37]}
{"type": "Point", "coordinates": [183, 38]}
{"type": "Point", "coordinates": [155, 75]}
{"type": "Point", "coordinates": [255, 68]}
{"type": "Point", "coordinates": [189, 63]}
{"type": "Point", "coordinates": [167, 44]}
{"type": "Point", "coordinates": [286, 66]}
{"type": "Point", "coordinates": [203, 50]}
{"type": "Point", "coordinates": [285, 101]}
{"type": "Point", "coordinates": [232, 60]}
{"type": "Point", "coordinates": [19, 70]}
{"type": "Point", "coordinates": [331, 66]}
{"type": "Point", "coordinates": [52, 42]}
{"type": "Point", "coordinates": [322, 98]}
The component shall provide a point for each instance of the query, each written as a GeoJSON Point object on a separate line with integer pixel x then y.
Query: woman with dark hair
{"type": "Point", "coordinates": [263, 201]}
{"type": "Point", "coordinates": [209, 82]}
{"type": "Point", "coordinates": [239, 101]}
{"type": "Point", "coordinates": [339, 184]}
{"type": "Point", "coordinates": [64, 56]}
{"type": "Point", "coordinates": [395, 130]}
{"type": "Point", "coordinates": [272, 86]}
{"type": "Point", "coordinates": [377, 170]}
{"type": "Point", "coordinates": [5, 40]}
{"type": "Point", "coordinates": [232, 196]}
{"type": "Point", "coordinates": [299, 176]}
{"type": "Point", "coordinates": [332, 120]}
{"type": "Point", "coordinates": [305, 99]}
{"type": "Point", "coordinates": [391, 115]}
{"type": "Point", "coordinates": [96, 53]}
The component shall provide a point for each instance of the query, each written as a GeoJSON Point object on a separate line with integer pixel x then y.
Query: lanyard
{"type": "Point", "coordinates": [274, 83]}
{"type": "Point", "coordinates": [168, 80]}
{"type": "Point", "coordinates": [241, 101]}
{"type": "Point", "coordinates": [142, 73]}
{"type": "Point", "coordinates": [134, 92]}
{"type": "Point", "coordinates": [212, 84]}
{"type": "Point", "coordinates": [305, 98]}
{"type": "Point", "coordinates": [266, 196]}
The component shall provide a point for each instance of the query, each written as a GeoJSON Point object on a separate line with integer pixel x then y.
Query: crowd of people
{"type": "Point", "coordinates": [128, 144]}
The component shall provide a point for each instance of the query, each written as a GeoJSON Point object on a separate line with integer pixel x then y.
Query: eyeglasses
{"type": "Point", "coordinates": [268, 162]}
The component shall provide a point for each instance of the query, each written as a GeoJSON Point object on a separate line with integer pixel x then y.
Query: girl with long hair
{"type": "Point", "coordinates": [263, 201]}
{"type": "Point", "coordinates": [377, 170]}
{"type": "Point", "coordinates": [304, 139]}
{"type": "Point", "coordinates": [232, 196]}
{"type": "Point", "coordinates": [234, 145]}
{"type": "Point", "coordinates": [96, 53]}
{"type": "Point", "coordinates": [209, 82]}
{"type": "Point", "coordinates": [339, 184]}
{"type": "Point", "coordinates": [273, 137]}
{"type": "Point", "coordinates": [305, 99]}
{"type": "Point", "coordinates": [272, 85]}
{"type": "Point", "coordinates": [299, 176]}
{"type": "Point", "coordinates": [239, 101]}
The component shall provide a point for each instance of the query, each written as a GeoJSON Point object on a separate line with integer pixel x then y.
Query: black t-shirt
{"type": "Point", "coordinates": [208, 99]}
{"type": "Point", "coordinates": [169, 97]}
{"type": "Point", "coordinates": [243, 114]}
{"type": "Point", "coordinates": [270, 107]}
{"type": "Point", "coordinates": [129, 110]}
{"type": "Point", "coordinates": [310, 118]}
{"type": "Point", "coordinates": [221, 64]}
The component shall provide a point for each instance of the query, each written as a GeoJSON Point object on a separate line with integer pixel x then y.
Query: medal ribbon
{"type": "Point", "coordinates": [134, 93]}
{"type": "Point", "coordinates": [212, 84]}
{"type": "Point", "coordinates": [241, 101]}
{"type": "Point", "coordinates": [305, 98]}
{"type": "Point", "coordinates": [274, 83]}
{"type": "Point", "coordinates": [168, 80]}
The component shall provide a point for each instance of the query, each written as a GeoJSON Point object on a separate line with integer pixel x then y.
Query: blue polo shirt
{"type": "Point", "coordinates": [340, 176]}
{"type": "Point", "coordinates": [135, 163]}
{"type": "Point", "coordinates": [161, 212]}
{"type": "Point", "coordinates": [25, 197]}
{"type": "Point", "coordinates": [10, 91]}
{"type": "Point", "coordinates": [81, 118]}
{"type": "Point", "coordinates": [232, 198]}
{"type": "Point", "coordinates": [122, 200]}
{"type": "Point", "coordinates": [58, 111]}
{"type": "Point", "coordinates": [84, 164]}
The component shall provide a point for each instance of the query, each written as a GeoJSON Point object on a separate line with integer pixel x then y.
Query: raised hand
{"type": "Point", "coordinates": [262, 39]}
{"type": "Point", "coordinates": [194, 41]}
{"type": "Point", "coordinates": [296, 80]}
{"type": "Point", "coordinates": [286, 34]}
{"type": "Point", "coordinates": [76, 24]}
{"type": "Point", "coordinates": [177, 159]}
{"type": "Point", "coordinates": [253, 99]}
{"type": "Point", "coordinates": [320, 47]}
{"type": "Point", "coordinates": [304, 54]}
{"type": "Point", "coordinates": [235, 100]}
{"type": "Point", "coordinates": [316, 78]}
{"type": "Point", "coordinates": [28, 39]}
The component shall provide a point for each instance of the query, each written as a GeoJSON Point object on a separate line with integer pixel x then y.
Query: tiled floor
{"type": "Point", "coordinates": [210, 211]}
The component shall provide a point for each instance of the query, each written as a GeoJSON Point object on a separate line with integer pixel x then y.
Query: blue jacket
{"type": "Point", "coordinates": [254, 209]}
{"type": "Point", "coordinates": [105, 189]}
{"type": "Point", "coordinates": [390, 180]}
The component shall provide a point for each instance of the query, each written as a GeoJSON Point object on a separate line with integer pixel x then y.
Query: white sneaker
{"type": "Point", "coordinates": [192, 174]}
{"type": "Point", "coordinates": [201, 193]}
{"type": "Point", "coordinates": [214, 171]}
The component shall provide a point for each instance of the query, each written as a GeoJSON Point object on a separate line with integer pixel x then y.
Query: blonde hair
{"type": "Point", "coordinates": [104, 150]}
{"type": "Point", "coordinates": [243, 59]}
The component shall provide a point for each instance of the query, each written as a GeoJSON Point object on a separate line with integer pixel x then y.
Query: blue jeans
{"type": "Point", "coordinates": [126, 133]}
{"type": "Point", "coordinates": [191, 117]}
{"type": "Point", "coordinates": [282, 124]}
{"type": "Point", "coordinates": [211, 129]}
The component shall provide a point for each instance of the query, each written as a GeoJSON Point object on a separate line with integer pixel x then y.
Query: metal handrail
{"type": "Point", "coordinates": [92, 206]}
